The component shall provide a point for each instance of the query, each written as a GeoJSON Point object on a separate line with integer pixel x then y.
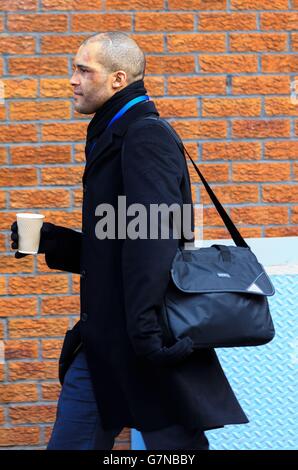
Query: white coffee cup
{"type": "Point", "coordinates": [29, 225]}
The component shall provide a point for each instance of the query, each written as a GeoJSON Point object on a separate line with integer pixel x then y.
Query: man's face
{"type": "Point", "coordinates": [92, 84]}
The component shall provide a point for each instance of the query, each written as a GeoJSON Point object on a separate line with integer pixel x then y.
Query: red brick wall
{"type": "Point", "coordinates": [219, 70]}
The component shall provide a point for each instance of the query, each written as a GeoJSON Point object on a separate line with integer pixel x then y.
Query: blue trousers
{"type": "Point", "coordinates": [78, 423]}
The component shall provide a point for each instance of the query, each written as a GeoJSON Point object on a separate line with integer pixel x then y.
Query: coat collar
{"type": "Point", "coordinates": [118, 128]}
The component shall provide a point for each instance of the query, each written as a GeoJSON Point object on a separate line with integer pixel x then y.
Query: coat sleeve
{"type": "Point", "coordinates": [67, 253]}
{"type": "Point", "coordinates": [152, 172]}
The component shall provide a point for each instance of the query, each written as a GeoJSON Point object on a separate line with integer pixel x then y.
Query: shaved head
{"type": "Point", "coordinates": [104, 64]}
{"type": "Point", "coordinates": [118, 51]}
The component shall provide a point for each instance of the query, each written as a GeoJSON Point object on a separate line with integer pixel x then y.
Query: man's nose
{"type": "Point", "coordinates": [74, 79]}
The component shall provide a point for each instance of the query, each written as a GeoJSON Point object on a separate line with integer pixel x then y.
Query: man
{"type": "Point", "coordinates": [121, 372]}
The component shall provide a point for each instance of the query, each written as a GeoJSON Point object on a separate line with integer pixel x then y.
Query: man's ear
{"type": "Point", "coordinates": [119, 79]}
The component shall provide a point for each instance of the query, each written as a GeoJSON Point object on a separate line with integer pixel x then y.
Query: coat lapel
{"type": "Point", "coordinates": [118, 128]}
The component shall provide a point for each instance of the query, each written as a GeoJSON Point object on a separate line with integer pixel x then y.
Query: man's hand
{"type": "Point", "coordinates": [48, 233]}
{"type": "Point", "coordinates": [172, 355]}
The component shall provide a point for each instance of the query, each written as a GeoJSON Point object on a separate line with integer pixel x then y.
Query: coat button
{"type": "Point", "coordinates": [83, 273]}
{"type": "Point", "coordinates": [84, 316]}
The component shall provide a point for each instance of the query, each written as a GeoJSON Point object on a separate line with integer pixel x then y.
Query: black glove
{"type": "Point", "coordinates": [48, 237]}
{"type": "Point", "coordinates": [172, 355]}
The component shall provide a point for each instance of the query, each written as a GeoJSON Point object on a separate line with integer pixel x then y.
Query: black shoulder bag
{"type": "Point", "coordinates": [217, 295]}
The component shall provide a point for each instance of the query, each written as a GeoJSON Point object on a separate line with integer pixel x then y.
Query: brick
{"type": "Point", "coordinates": [177, 107]}
{"type": "Point", "coordinates": [280, 106]}
{"type": "Point", "coordinates": [296, 127]}
{"type": "Point", "coordinates": [280, 63]}
{"type": "Point", "coordinates": [294, 42]}
{"type": "Point", "coordinates": [197, 4]}
{"type": "Point", "coordinates": [39, 198]}
{"type": "Point", "coordinates": [134, 5]}
{"type": "Point", "coordinates": [218, 233]}
{"type": "Point", "coordinates": [61, 44]}
{"type": "Point", "coordinates": [2, 112]}
{"type": "Point", "coordinates": [2, 416]}
{"type": "Point", "coordinates": [281, 231]}
{"type": "Point", "coordinates": [39, 110]}
{"type": "Point", "coordinates": [280, 193]}
{"type": "Point", "coordinates": [32, 414]}
{"type": "Point", "coordinates": [18, 306]}
{"type": "Point", "coordinates": [11, 5]}
{"type": "Point", "coordinates": [200, 129]}
{"type": "Point", "coordinates": [263, 85]}
{"type": "Point", "coordinates": [196, 42]}
{"type": "Point", "coordinates": [20, 349]}
{"type": "Point", "coordinates": [196, 85]}
{"type": "Point", "coordinates": [51, 348]}
{"type": "Point", "coordinates": [254, 172]}
{"type": "Point", "coordinates": [75, 284]}
{"type": "Point", "coordinates": [149, 42]}
{"type": "Point", "coordinates": [65, 305]}
{"type": "Point", "coordinates": [294, 215]}
{"type": "Point", "coordinates": [14, 393]}
{"type": "Point", "coordinates": [279, 21]}
{"type": "Point", "coordinates": [38, 66]}
{"type": "Point", "coordinates": [18, 133]}
{"type": "Point", "coordinates": [170, 64]}
{"type": "Point", "coordinates": [47, 434]}
{"type": "Point", "coordinates": [71, 4]}
{"type": "Point", "coordinates": [2, 292]}
{"type": "Point", "coordinates": [258, 42]}
{"type": "Point", "coordinates": [17, 44]}
{"type": "Point", "coordinates": [19, 436]}
{"type": "Point", "coordinates": [3, 156]}
{"type": "Point", "coordinates": [212, 172]}
{"type": "Point", "coordinates": [79, 153]}
{"type": "Point", "coordinates": [77, 197]}
{"type": "Point", "coordinates": [155, 86]}
{"type": "Point", "coordinates": [230, 194]}
{"type": "Point", "coordinates": [72, 131]}
{"type": "Point", "coordinates": [227, 21]}
{"type": "Point", "coordinates": [18, 177]}
{"type": "Point", "coordinates": [50, 391]}
{"type": "Point", "coordinates": [228, 63]}
{"type": "Point", "coordinates": [164, 21]}
{"type": "Point", "coordinates": [42, 154]}
{"type": "Point", "coordinates": [20, 88]}
{"type": "Point", "coordinates": [46, 284]}
{"type": "Point", "coordinates": [32, 370]}
{"type": "Point", "coordinates": [38, 327]}
{"type": "Point", "coordinates": [259, 4]}
{"type": "Point", "coordinates": [295, 170]}
{"type": "Point", "coordinates": [101, 22]}
{"type": "Point", "coordinates": [261, 128]}
{"type": "Point", "coordinates": [231, 151]}
{"type": "Point", "coordinates": [2, 242]}
{"type": "Point", "coordinates": [261, 215]}
{"type": "Point", "coordinates": [61, 175]}
{"type": "Point", "coordinates": [37, 23]}
{"type": "Point", "coordinates": [2, 199]}
{"type": "Point", "coordinates": [221, 107]}
{"type": "Point", "coordinates": [210, 216]}
{"type": "Point", "coordinates": [55, 88]}
{"type": "Point", "coordinates": [284, 150]}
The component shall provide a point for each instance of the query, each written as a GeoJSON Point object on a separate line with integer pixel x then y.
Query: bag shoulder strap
{"type": "Point", "coordinates": [235, 234]}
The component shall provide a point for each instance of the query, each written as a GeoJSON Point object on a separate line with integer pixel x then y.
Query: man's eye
{"type": "Point", "coordinates": [83, 70]}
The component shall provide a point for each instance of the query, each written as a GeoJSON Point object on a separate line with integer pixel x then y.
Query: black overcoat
{"type": "Point", "coordinates": [122, 284]}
